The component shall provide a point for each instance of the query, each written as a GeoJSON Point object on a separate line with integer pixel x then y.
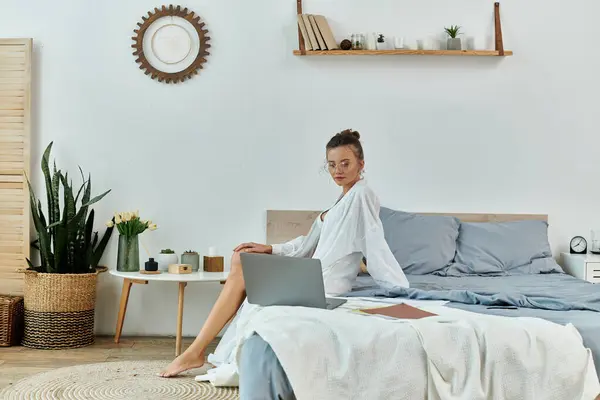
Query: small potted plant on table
{"type": "Point", "coordinates": [454, 42]}
{"type": "Point", "coordinates": [192, 258]}
{"type": "Point", "coordinates": [165, 258]}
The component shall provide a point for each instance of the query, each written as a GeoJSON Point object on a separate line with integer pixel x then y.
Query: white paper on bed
{"type": "Point", "coordinates": [340, 355]}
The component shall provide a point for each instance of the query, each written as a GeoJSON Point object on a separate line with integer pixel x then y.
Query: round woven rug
{"type": "Point", "coordinates": [125, 380]}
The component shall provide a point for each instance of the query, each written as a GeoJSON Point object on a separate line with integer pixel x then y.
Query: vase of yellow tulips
{"type": "Point", "coordinates": [130, 226]}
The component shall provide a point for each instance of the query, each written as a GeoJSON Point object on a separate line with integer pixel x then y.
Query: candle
{"type": "Point", "coordinates": [212, 251]}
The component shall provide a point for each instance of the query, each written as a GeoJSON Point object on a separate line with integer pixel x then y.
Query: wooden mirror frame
{"type": "Point", "coordinates": [170, 11]}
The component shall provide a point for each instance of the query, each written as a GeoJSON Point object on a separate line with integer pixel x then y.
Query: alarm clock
{"type": "Point", "coordinates": [578, 245]}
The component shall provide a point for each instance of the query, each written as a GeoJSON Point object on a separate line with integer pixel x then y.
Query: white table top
{"type": "Point", "coordinates": [200, 276]}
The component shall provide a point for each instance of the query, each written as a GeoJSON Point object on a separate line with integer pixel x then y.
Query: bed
{"type": "Point", "coordinates": [540, 290]}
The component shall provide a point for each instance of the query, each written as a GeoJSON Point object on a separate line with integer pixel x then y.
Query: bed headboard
{"type": "Point", "coordinates": [284, 225]}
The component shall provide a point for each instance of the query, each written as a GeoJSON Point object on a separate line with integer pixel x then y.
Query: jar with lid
{"type": "Point", "coordinates": [358, 41]}
{"type": "Point", "coordinates": [361, 40]}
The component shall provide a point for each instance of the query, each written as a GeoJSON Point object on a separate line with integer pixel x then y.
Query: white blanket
{"type": "Point", "coordinates": [457, 355]}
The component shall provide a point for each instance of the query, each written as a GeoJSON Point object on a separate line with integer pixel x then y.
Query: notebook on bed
{"type": "Point", "coordinates": [401, 311]}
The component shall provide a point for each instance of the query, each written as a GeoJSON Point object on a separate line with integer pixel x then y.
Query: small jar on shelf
{"type": "Point", "coordinates": [358, 40]}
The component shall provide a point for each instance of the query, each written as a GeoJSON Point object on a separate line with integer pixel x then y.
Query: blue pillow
{"type": "Point", "coordinates": [422, 244]}
{"type": "Point", "coordinates": [502, 248]}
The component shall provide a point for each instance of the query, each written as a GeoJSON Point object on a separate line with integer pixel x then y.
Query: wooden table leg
{"type": "Point", "coordinates": [182, 286]}
{"type": "Point", "coordinates": [123, 307]}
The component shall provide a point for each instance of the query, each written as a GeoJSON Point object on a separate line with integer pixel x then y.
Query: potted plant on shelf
{"type": "Point", "coordinates": [381, 42]}
{"type": "Point", "coordinates": [165, 258]}
{"type": "Point", "coordinates": [60, 293]}
{"type": "Point", "coordinates": [130, 226]}
{"type": "Point", "coordinates": [192, 258]}
{"type": "Point", "coordinates": [454, 42]}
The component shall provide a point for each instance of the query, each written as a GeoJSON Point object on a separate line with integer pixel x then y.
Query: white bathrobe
{"type": "Point", "coordinates": [351, 228]}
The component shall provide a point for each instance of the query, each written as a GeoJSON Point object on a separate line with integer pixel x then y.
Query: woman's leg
{"type": "Point", "coordinates": [229, 301]}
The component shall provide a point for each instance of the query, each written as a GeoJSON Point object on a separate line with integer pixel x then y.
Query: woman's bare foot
{"type": "Point", "coordinates": [187, 360]}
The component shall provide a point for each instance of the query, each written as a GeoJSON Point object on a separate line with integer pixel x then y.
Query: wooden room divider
{"type": "Point", "coordinates": [15, 126]}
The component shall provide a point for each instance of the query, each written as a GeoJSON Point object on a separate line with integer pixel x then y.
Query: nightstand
{"type": "Point", "coordinates": [582, 266]}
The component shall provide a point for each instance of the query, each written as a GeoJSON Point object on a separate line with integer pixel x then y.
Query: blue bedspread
{"type": "Point", "coordinates": [559, 298]}
{"type": "Point", "coordinates": [557, 292]}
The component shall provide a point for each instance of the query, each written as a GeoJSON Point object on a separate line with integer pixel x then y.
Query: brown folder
{"type": "Point", "coordinates": [402, 311]}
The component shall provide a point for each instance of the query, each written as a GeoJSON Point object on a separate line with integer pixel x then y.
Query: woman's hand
{"type": "Point", "coordinates": [254, 248]}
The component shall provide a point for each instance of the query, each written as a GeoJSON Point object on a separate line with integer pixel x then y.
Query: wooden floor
{"type": "Point", "coordinates": [20, 362]}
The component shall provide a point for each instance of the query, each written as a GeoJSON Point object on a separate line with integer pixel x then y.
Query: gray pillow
{"type": "Point", "coordinates": [422, 244]}
{"type": "Point", "coordinates": [503, 248]}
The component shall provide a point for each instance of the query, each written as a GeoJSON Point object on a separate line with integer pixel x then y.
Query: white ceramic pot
{"type": "Point", "coordinates": [164, 260]}
{"type": "Point", "coordinates": [454, 44]}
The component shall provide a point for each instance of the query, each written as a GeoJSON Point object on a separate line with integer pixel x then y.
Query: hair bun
{"type": "Point", "coordinates": [347, 137]}
{"type": "Point", "coordinates": [351, 132]}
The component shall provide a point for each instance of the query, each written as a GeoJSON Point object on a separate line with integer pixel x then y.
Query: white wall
{"type": "Point", "coordinates": [206, 159]}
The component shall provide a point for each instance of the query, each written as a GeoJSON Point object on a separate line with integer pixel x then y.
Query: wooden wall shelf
{"type": "Point", "coordinates": [498, 52]}
{"type": "Point", "coordinates": [460, 53]}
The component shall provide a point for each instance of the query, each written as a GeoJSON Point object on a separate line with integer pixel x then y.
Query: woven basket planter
{"type": "Point", "coordinates": [59, 309]}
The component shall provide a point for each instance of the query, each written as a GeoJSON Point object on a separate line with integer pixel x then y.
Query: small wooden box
{"type": "Point", "coordinates": [180, 269]}
{"type": "Point", "coordinates": [214, 264]}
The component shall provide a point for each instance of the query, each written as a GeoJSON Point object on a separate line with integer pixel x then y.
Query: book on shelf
{"type": "Point", "coordinates": [316, 32]}
{"type": "Point", "coordinates": [326, 32]}
{"type": "Point", "coordinates": [304, 32]}
{"type": "Point", "coordinates": [311, 33]}
{"type": "Point", "coordinates": [315, 28]}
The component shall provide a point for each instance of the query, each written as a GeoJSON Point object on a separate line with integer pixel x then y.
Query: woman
{"type": "Point", "coordinates": [339, 237]}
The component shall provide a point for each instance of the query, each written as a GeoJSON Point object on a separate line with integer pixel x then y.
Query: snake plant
{"type": "Point", "coordinates": [65, 238]}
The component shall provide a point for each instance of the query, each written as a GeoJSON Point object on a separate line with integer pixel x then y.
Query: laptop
{"type": "Point", "coordinates": [285, 281]}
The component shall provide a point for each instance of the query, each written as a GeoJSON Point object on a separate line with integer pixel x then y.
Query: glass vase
{"type": "Point", "coordinates": [128, 258]}
{"type": "Point", "coordinates": [595, 245]}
